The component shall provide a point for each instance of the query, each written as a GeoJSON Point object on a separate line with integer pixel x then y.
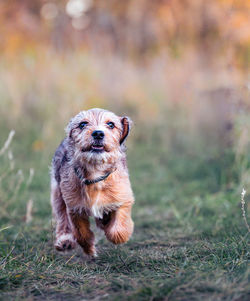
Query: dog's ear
{"type": "Point", "coordinates": [126, 125]}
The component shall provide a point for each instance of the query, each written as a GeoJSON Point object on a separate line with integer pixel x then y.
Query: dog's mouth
{"type": "Point", "coordinates": [97, 148]}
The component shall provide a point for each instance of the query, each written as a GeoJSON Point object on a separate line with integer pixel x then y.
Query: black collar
{"type": "Point", "coordinates": [88, 182]}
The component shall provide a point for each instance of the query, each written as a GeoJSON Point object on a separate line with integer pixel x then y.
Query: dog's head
{"type": "Point", "coordinates": [98, 135]}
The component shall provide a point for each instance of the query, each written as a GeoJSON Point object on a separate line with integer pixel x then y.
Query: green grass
{"type": "Point", "coordinates": [190, 241]}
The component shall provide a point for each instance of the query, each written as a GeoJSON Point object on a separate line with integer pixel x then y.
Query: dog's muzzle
{"type": "Point", "coordinates": [98, 135]}
{"type": "Point", "coordinates": [98, 146]}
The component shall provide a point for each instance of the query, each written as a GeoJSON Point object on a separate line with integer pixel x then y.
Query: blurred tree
{"type": "Point", "coordinates": [133, 28]}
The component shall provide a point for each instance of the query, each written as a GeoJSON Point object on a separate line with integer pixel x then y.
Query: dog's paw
{"type": "Point", "coordinates": [65, 242]}
{"type": "Point", "coordinates": [93, 254]}
{"type": "Point", "coordinates": [90, 251]}
{"type": "Point", "coordinates": [118, 234]}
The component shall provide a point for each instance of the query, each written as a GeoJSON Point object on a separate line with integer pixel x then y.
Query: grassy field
{"type": "Point", "coordinates": [188, 244]}
{"type": "Point", "coordinates": [190, 240]}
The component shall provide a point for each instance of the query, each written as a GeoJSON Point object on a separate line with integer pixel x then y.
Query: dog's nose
{"type": "Point", "coordinates": [98, 134]}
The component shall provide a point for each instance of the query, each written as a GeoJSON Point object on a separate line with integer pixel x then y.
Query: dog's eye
{"type": "Point", "coordinates": [82, 124]}
{"type": "Point", "coordinates": [111, 124]}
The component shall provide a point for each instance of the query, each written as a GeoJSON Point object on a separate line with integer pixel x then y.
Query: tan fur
{"type": "Point", "coordinates": [108, 201]}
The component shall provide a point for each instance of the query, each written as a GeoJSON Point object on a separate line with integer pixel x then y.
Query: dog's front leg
{"type": "Point", "coordinates": [121, 226]}
{"type": "Point", "coordinates": [83, 234]}
{"type": "Point", "coordinates": [64, 236]}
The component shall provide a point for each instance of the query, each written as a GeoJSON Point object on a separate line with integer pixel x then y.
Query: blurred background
{"type": "Point", "coordinates": [178, 68]}
{"type": "Point", "coordinates": [181, 70]}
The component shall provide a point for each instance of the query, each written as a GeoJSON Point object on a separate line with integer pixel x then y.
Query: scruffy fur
{"type": "Point", "coordinates": [108, 201]}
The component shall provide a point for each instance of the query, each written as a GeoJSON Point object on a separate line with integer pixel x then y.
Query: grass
{"type": "Point", "coordinates": [190, 241]}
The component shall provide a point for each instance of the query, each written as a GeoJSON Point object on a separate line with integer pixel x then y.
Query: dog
{"type": "Point", "coordinates": [89, 177]}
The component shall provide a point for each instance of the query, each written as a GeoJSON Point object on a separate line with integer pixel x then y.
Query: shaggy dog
{"type": "Point", "coordinates": [89, 177]}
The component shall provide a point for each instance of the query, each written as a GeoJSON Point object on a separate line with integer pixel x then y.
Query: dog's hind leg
{"type": "Point", "coordinates": [64, 237]}
{"type": "Point", "coordinates": [84, 236]}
